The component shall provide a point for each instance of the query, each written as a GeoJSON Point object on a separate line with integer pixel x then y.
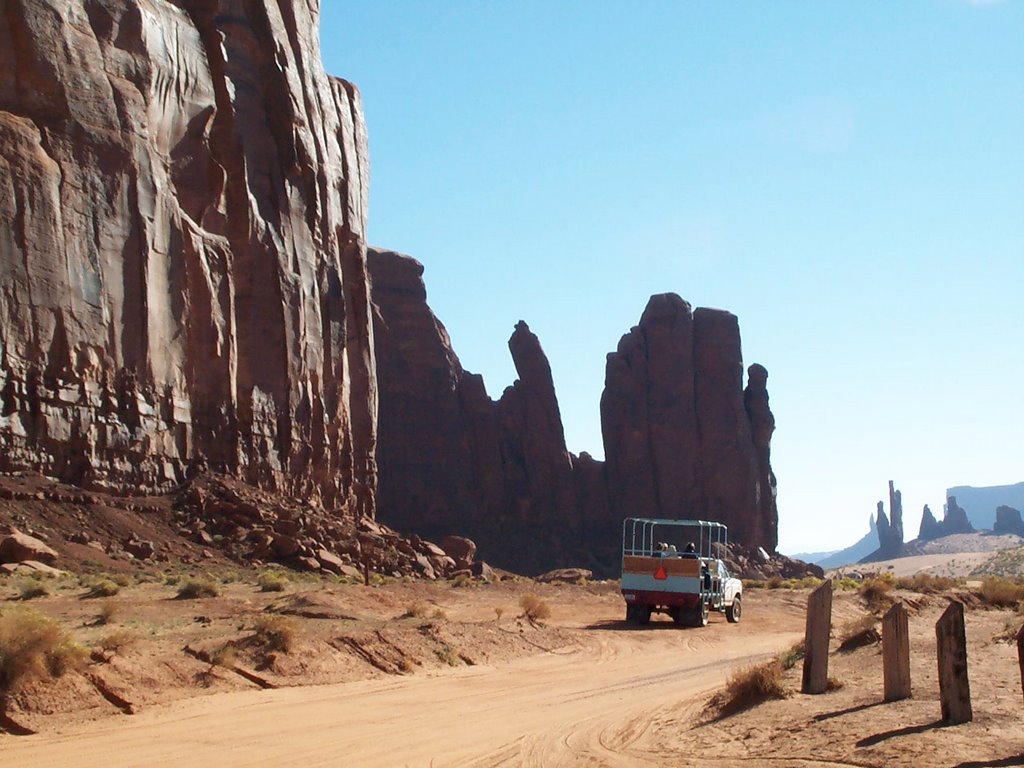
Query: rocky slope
{"type": "Point", "coordinates": [182, 264]}
{"type": "Point", "coordinates": [682, 437]}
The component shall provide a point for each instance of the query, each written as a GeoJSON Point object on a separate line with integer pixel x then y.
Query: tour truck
{"type": "Point", "coordinates": [676, 567]}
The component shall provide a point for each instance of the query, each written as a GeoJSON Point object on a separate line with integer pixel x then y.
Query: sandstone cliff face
{"type": "Point", "coordinates": [453, 460]}
{"type": "Point", "coordinates": [182, 264]}
{"type": "Point", "coordinates": [680, 437]}
{"type": "Point", "coordinates": [1008, 520]}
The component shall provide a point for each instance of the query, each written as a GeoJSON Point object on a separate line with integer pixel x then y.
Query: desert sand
{"type": "Point", "coordinates": [467, 681]}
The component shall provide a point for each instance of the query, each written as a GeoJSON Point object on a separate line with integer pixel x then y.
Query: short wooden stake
{"type": "Point", "coordinates": [954, 687]}
{"type": "Point", "coordinates": [896, 653]}
{"type": "Point", "coordinates": [1020, 656]}
{"type": "Point", "coordinates": [819, 626]}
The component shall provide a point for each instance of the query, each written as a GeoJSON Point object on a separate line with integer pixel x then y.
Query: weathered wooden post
{"type": "Point", "coordinates": [819, 626]}
{"type": "Point", "coordinates": [954, 687]}
{"type": "Point", "coordinates": [896, 653]}
{"type": "Point", "coordinates": [1020, 656]}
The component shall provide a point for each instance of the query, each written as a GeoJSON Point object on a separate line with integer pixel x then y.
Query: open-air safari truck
{"type": "Point", "coordinates": [675, 567]}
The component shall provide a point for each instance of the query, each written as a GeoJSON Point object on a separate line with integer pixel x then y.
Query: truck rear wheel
{"type": "Point", "coordinates": [638, 614]}
{"type": "Point", "coordinates": [734, 611]}
{"type": "Point", "coordinates": [700, 614]}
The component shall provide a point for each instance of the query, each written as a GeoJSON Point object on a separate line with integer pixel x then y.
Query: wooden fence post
{"type": "Point", "coordinates": [819, 626]}
{"type": "Point", "coordinates": [1020, 656]}
{"type": "Point", "coordinates": [896, 653]}
{"type": "Point", "coordinates": [954, 687]}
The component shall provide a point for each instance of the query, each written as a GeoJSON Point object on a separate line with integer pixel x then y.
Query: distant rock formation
{"type": "Point", "coordinates": [890, 531]}
{"type": "Point", "coordinates": [980, 503]}
{"type": "Point", "coordinates": [183, 199]}
{"type": "Point", "coordinates": [1008, 520]}
{"type": "Point", "coordinates": [930, 527]}
{"type": "Point", "coordinates": [955, 520]}
{"type": "Point", "coordinates": [680, 438]}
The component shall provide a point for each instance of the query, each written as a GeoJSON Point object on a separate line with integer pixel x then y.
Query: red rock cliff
{"type": "Point", "coordinates": [682, 438]}
{"type": "Point", "coordinates": [182, 264]}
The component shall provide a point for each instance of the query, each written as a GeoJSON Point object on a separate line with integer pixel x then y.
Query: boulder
{"type": "Point", "coordinates": [565, 575]}
{"type": "Point", "coordinates": [460, 549]}
{"type": "Point", "coordinates": [17, 547]}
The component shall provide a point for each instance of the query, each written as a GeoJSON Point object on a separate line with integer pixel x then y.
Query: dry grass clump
{"type": "Point", "coordinates": [859, 633]}
{"type": "Point", "coordinates": [272, 581]}
{"type": "Point", "coordinates": [33, 645]}
{"type": "Point", "coordinates": [275, 634]}
{"type": "Point", "coordinates": [1001, 592]}
{"type": "Point", "coordinates": [749, 687]}
{"type": "Point", "coordinates": [108, 610]}
{"type": "Point", "coordinates": [117, 640]}
{"type": "Point", "coordinates": [198, 587]}
{"type": "Point", "coordinates": [416, 610]}
{"type": "Point", "coordinates": [534, 608]}
{"type": "Point", "coordinates": [876, 595]}
{"type": "Point", "coordinates": [224, 656]}
{"type": "Point", "coordinates": [792, 655]}
{"type": "Point", "coordinates": [103, 588]}
{"type": "Point", "coordinates": [30, 589]}
{"type": "Point", "coordinates": [926, 583]}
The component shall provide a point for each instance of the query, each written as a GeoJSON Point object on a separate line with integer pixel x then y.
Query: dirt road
{"type": "Point", "coordinates": [588, 704]}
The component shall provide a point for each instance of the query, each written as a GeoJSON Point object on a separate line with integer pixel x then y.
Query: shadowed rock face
{"type": "Point", "coordinates": [182, 265]}
{"type": "Point", "coordinates": [679, 435]}
{"type": "Point", "coordinates": [1008, 520]}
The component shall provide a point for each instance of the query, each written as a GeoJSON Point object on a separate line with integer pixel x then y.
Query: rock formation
{"type": "Point", "coordinates": [1008, 520]}
{"type": "Point", "coordinates": [182, 264]}
{"type": "Point", "coordinates": [452, 460]}
{"type": "Point", "coordinates": [890, 529]}
{"type": "Point", "coordinates": [680, 436]}
{"type": "Point", "coordinates": [930, 527]}
{"type": "Point", "coordinates": [955, 520]}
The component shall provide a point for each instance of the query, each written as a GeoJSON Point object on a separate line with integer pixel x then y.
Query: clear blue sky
{"type": "Point", "coordinates": [846, 177]}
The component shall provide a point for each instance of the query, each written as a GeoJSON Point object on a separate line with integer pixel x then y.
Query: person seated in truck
{"type": "Point", "coordinates": [691, 550]}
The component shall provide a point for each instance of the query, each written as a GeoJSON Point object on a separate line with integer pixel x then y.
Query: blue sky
{"type": "Point", "coordinates": [846, 177]}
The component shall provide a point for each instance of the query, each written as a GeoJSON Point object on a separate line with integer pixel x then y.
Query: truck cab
{"type": "Point", "coordinates": [676, 567]}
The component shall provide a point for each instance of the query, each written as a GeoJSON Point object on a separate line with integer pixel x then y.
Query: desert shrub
{"type": "Point", "coordinates": [859, 633]}
{"type": "Point", "coordinates": [224, 656]}
{"type": "Point", "coordinates": [272, 581]}
{"type": "Point", "coordinates": [753, 584]}
{"type": "Point", "coordinates": [30, 589]}
{"type": "Point", "coordinates": [103, 588]}
{"type": "Point", "coordinates": [789, 657]}
{"type": "Point", "coordinates": [925, 583]}
{"type": "Point", "coordinates": [462, 580]}
{"type": "Point", "coordinates": [33, 645]}
{"type": "Point", "coordinates": [117, 640]}
{"type": "Point", "coordinates": [196, 587]}
{"type": "Point", "coordinates": [1001, 592]}
{"type": "Point", "coordinates": [875, 594]}
{"type": "Point", "coordinates": [751, 686]}
{"type": "Point", "coordinates": [775, 582]}
{"type": "Point", "coordinates": [534, 608]}
{"type": "Point", "coordinates": [846, 584]}
{"type": "Point", "coordinates": [108, 610]}
{"type": "Point", "coordinates": [498, 612]}
{"type": "Point", "coordinates": [833, 684]}
{"type": "Point", "coordinates": [122, 579]}
{"type": "Point", "coordinates": [275, 633]}
{"type": "Point", "coordinates": [416, 610]}
{"type": "Point", "coordinates": [439, 613]}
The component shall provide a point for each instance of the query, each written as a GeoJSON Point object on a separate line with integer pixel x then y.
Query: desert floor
{"type": "Point", "coordinates": [431, 674]}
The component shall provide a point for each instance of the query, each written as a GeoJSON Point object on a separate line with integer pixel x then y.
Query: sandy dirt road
{"type": "Point", "coordinates": [591, 703]}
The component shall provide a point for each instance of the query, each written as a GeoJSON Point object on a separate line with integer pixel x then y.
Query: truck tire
{"type": "Point", "coordinates": [700, 614]}
{"type": "Point", "coordinates": [679, 616]}
{"type": "Point", "coordinates": [638, 614]}
{"type": "Point", "coordinates": [734, 611]}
